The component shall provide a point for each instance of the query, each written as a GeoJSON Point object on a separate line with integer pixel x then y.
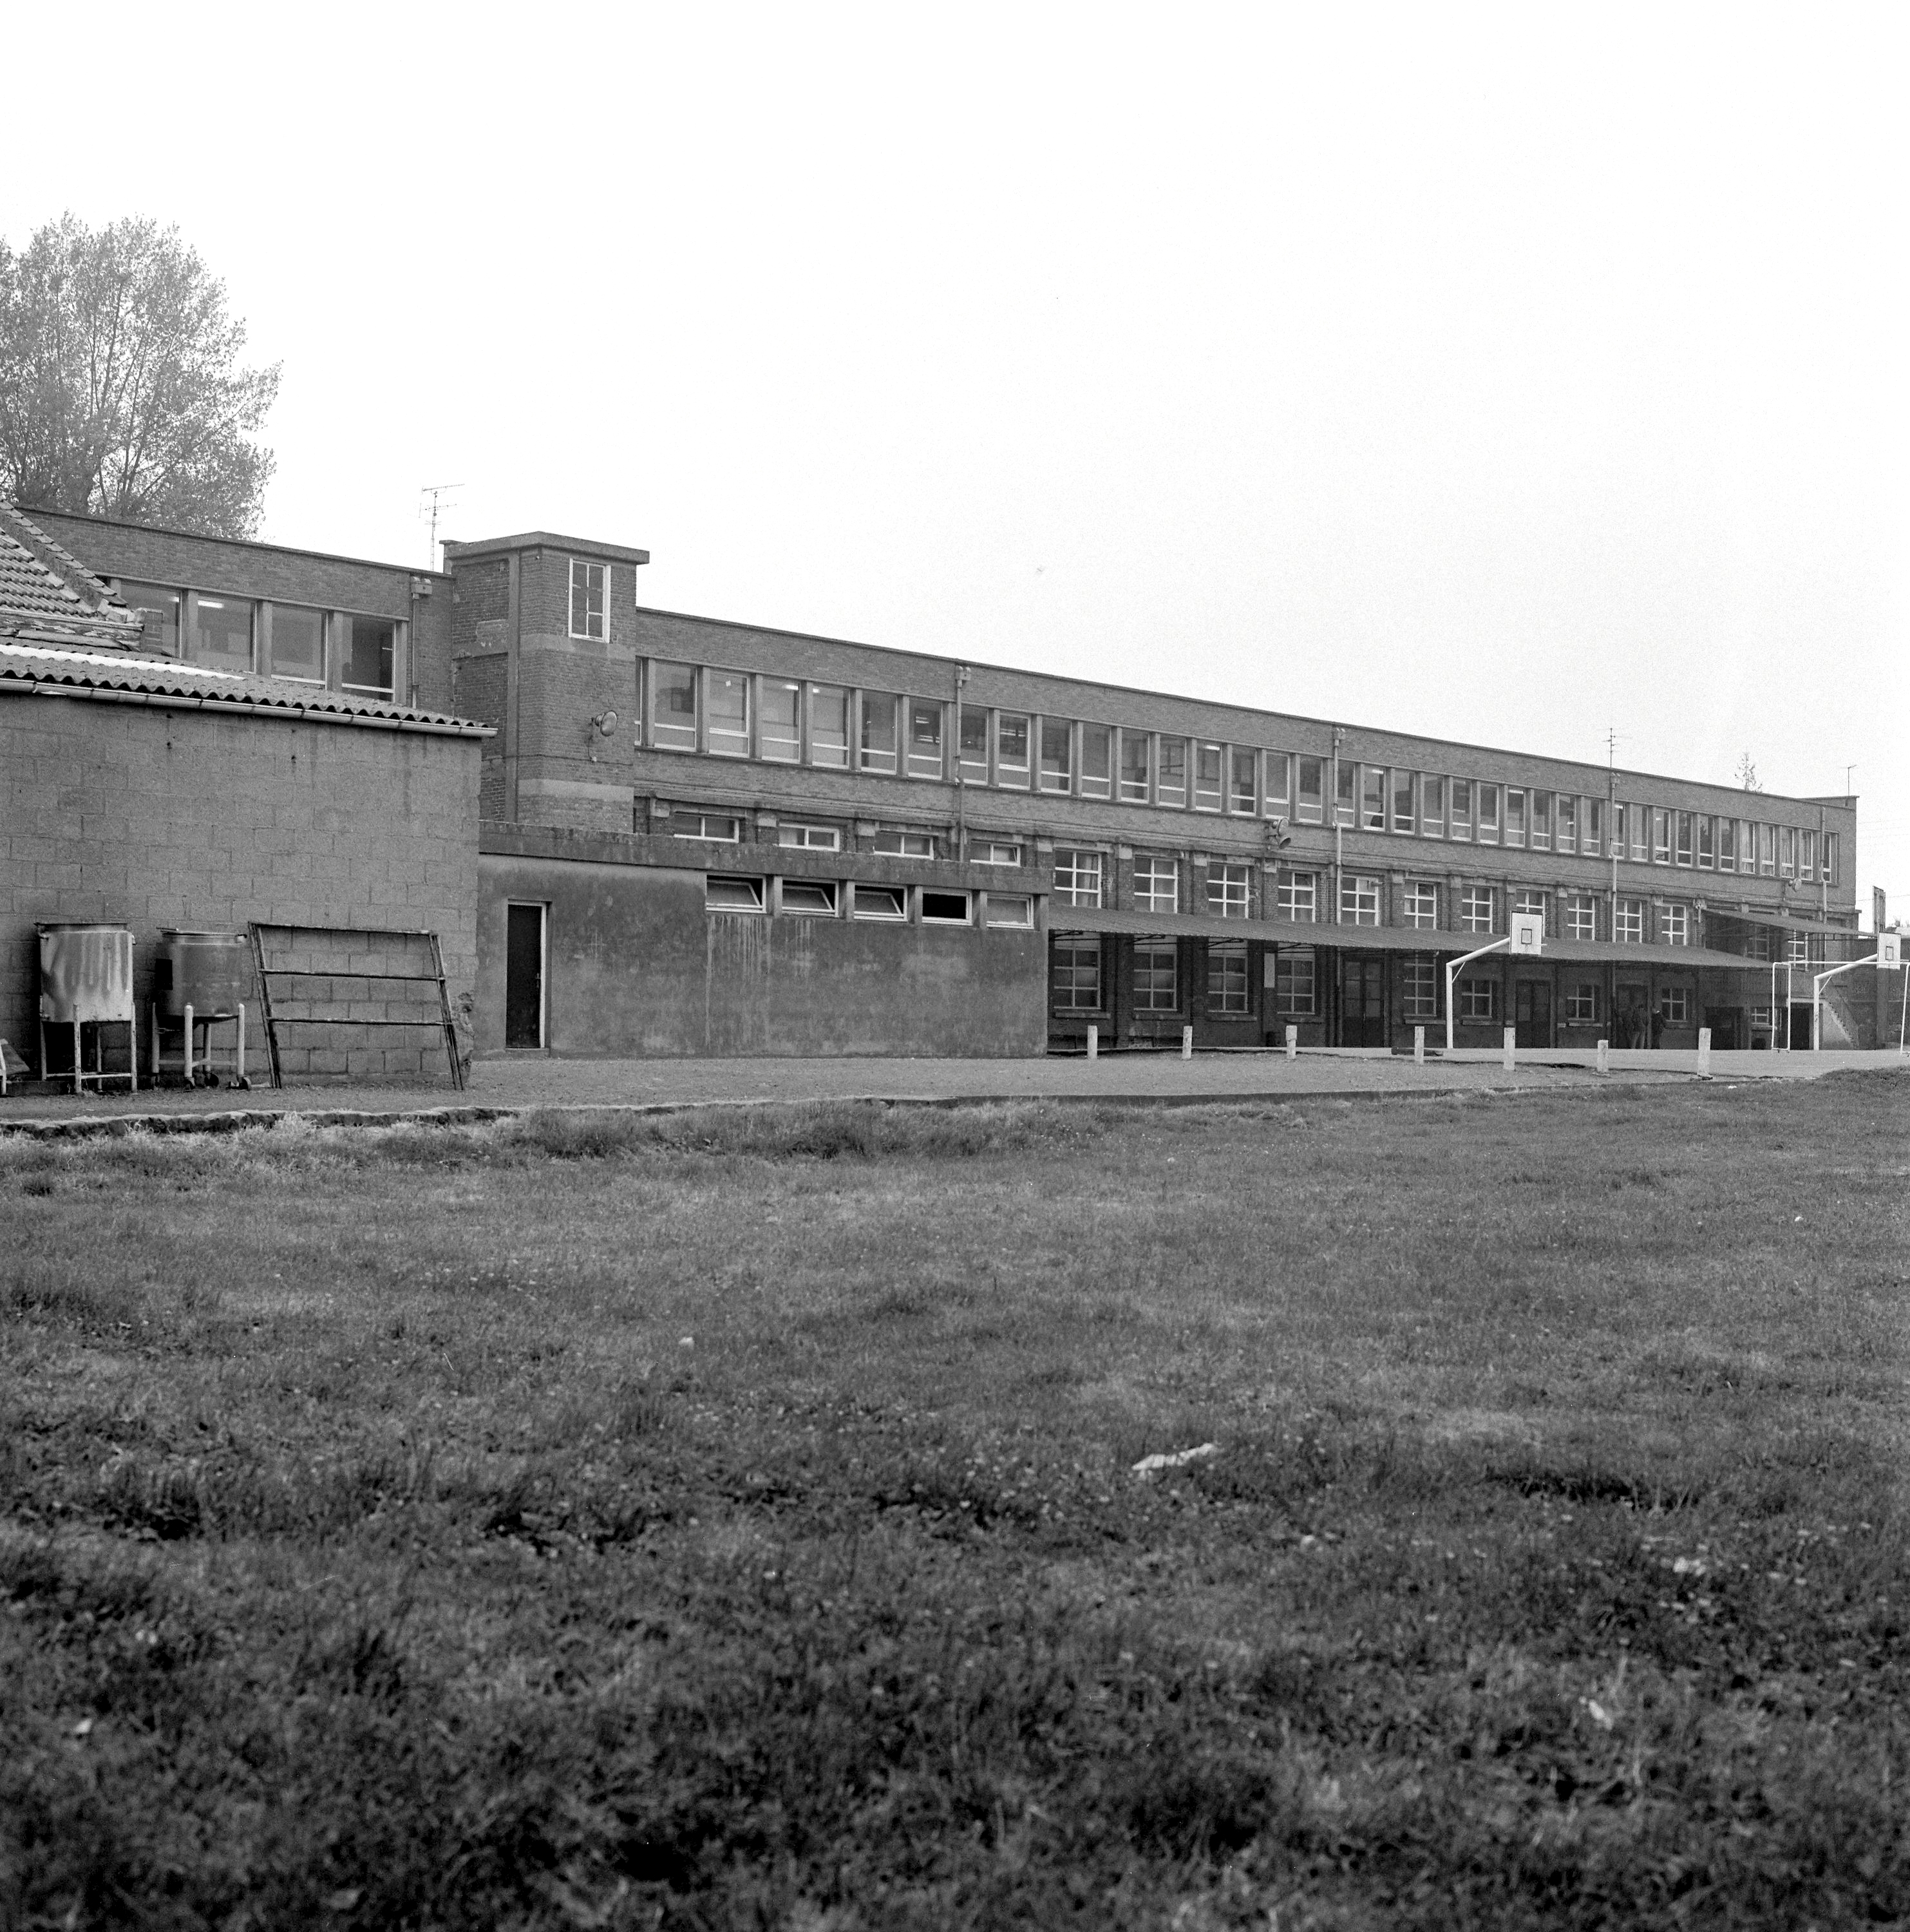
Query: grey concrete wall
{"type": "Point", "coordinates": [636, 967]}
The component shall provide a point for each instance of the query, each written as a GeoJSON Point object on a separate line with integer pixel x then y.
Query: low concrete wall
{"type": "Point", "coordinates": [636, 967]}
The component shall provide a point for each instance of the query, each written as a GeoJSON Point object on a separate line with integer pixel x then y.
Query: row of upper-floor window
{"type": "Point", "coordinates": [265, 638]}
{"type": "Point", "coordinates": [828, 727]}
{"type": "Point", "coordinates": [1302, 896]}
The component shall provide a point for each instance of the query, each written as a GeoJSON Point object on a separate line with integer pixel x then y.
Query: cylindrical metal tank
{"type": "Point", "coordinates": [85, 973]}
{"type": "Point", "coordinates": [210, 972]}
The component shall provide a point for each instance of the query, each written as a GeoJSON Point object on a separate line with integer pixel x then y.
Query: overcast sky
{"type": "Point", "coordinates": [1514, 375]}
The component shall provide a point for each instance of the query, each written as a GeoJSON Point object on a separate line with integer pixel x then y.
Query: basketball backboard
{"type": "Point", "coordinates": [1529, 933]}
{"type": "Point", "coordinates": [1890, 949]}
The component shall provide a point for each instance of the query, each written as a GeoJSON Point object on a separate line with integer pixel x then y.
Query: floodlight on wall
{"type": "Point", "coordinates": [601, 726]}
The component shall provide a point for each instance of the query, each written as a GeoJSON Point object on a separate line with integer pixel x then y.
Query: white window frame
{"type": "Point", "coordinates": [1479, 908]}
{"type": "Point", "coordinates": [1078, 876]}
{"type": "Point", "coordinates": [1291, 966]}
{"type": "Point", "coordinates": [712, 881]}
{"type": "Point", "coordinates": [1581, 1004]}
{"type": "Point", "coordinates": [1674, 1005]}
{"type": "Point", "coordinates": [1674, 924]}
{"type": "Point", "coordinates": [1581, 917]}
{"type": "Point", "coordinates": [1293, 885]}
{"type": "Point", "coordinates": [880, 902]}
{"type": "Point", "coordinates": [1151, 901]}
{"type": "Point", "coordinates": [925, 893]}
{"type": "Point", "coordinates": [704, 820]}
{"type": "Point", "coordinates": [995, 852]}
{"type": "Point", "coordinates": [895, 842]}
{"type": "Point", "coordinates": [1013, 911]}
{"type": "Point", "coordinates": [1628, 924]}
{"type": "Point", "coordinates": [826, 890]}
{"type": "Point", "coordinates": [1419, 987]}
{"type": "Point", "coordinates": [1154, 950]}
{"type": "Point", "coordinates": [1479, 1001]}
{"type": "Point", "coordinates": [1233, 997]}
{"type": "Point", "coordinates": [736, 744]}
{"type": "Point", "coordinates": [1360, 893]}
{"type": "Point", "coordinates": [1419, 905]}
{"type": "Point", "coordinates": [809, 838]}
{"type": "Point", "coordinates": [1069, 979]}
{"type": "Point", "coordinates": [1234, 882]}
{"type": "Point", "coordinates": [601, 573]}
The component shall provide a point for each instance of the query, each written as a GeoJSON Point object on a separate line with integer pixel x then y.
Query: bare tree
{"type": "Point", "coordinates": [121, 392]}
{"type": "Point", "coordinates": [1746, 774]}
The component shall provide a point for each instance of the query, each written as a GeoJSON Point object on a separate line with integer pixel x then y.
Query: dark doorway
{"type": "Point", "coordinates": [1363, 1003]}
{"type": "Point", "coordinates": [1532, 1012]}
{"type": "Point", "coordinates": [523, 977]}
{"type": "Point", "coordinates": [1726, 1024]}
{"type": "Point", "coordinates": [1800, 1026]}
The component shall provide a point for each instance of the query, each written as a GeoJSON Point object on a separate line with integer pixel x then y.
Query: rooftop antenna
{"type": "Point", "coordinates": [1848, 770]}
{"type": "Point", "coordinates": [430, 499]}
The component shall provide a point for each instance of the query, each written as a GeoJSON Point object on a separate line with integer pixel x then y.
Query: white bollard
{"type": "Point", "coordinates": [1704, 1053]}
{"type": "Point", "coordinates": [1511, 1047]}
{"type": "Point", "coordinates": [1293, 1042]}
{"type": "Point", "coordinates": [1605, 1056]}
{"type": "Point", "coordinates": [188, 1046]}
{"type": "Point", "coordinates": [242, 1080]}
{"type": "Point", "coordinates": [1419, 1046]}
{"type": "Point", "coordinates": [1187, 1042]}
{"type": "Point", "coordinates": [1093, 1042]}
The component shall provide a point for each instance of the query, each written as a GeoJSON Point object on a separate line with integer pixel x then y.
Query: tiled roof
{"type": "Point", "coordinates": [159, 680]}
{"type": "Point", "coordinates": [47, 594]}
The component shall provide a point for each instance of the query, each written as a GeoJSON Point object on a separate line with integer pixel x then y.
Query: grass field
{"type": "Point", "coordinates": [727, 1519]}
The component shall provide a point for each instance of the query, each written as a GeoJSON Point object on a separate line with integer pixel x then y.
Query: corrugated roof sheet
{"type": "Point", "coordinates": [45, 666]}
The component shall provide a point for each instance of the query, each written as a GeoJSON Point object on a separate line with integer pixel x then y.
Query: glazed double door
{"type": "Point", "coordinates": [1532, 1012]}
{"type": "Point", "coordinates": [1363, 1003]}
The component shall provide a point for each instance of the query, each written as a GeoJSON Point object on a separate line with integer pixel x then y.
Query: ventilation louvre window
{"type": "Point", "coordinates": [730, 895]}
{"type": "Point", "coordinates": [889, 902]}
{"type": "Point", "coordinates": [809, 898]}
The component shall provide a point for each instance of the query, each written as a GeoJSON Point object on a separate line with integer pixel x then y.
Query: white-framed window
{"type": "Point", "coordinates": [810, 838]}
{"type": "Point", "coordinates": [1359, 899]}
{"type": "Point", "coordinates": [1541, 805]}
{"type": "Point", "coordinates": [1419, 906]}
{"type": "Point", "coordinates": [1137, 767]}
{"type": "Point", "coordinates": [1766, 851]}
{"type": "Point", "coordinates": [1155, 977]}
{"type": "Point", "coordinates": [1727, 844]}
{"type": "Point", "coordinates": [876, 740]}
{"type": "Point", "coordinates": [1297, 895]}
{"type": "Point", "coordinates": [1488, 814]}
{"type": "Point", "coordinates": [1227, 892]}
{"type": "Point", "coordinates": [1527, 900]}
{"type": "Point", "coordinates": [1209, 774]}
{"type": "Point", "coordinates": [1309, 799]}
{"type": "Point", "coordinates": [1787, 852]}
{"type": "Point", "coordinates": [1581, 917]}
{"type": "Point", "coordinates": [1674, 925]}
{"type": "Point", "coordinates": [1476, 907]}
{"type": "Point", "coordinates": [1831, 858]}
{"type": "Point", "coordinates": [1462, 808]}
{"type": "Point", "coordinates": [1075, 966]}
{"type": "Point", "coordinates": [722, 894]}
{"type": "Point", "coordinates": [160, 610]}
{"type": "Point", "coordinates": [1674, 1006]}
{"type": "Point", "coordinates": [1076, 877]}
{"type": "Point", "coordinates": [779, 719]}
{"type": "Point", "coordinates": [1686, 824]}
{"type": "Point", "coordinates": [1432, 806]}
{"type": "Point", "coordinates": [1593, 842]}
{"type": "Point", "coordinates": [1404, 818]}
{"type": "Point", "coordinates": [972, 749]}
{"type": "Point", "coordinates": [590, 594]}
{"type": "Point", "coordinates": [1012, 749]}
{"type": "Point", "coordinates": [1242, 781]}
{"type": "Point", "coordinates": [829, 726]}
{"type": "Point", "coordinates": [1419, 987]}
{"type": "Point", "coordinates": [1479, 1001]}
{"type": "Point", "coordinates": [1515, 815]}
{"type": "Point", "coordinates": [1581, 1003]}
{"type": "Point", "coordinates": [1568, 823]}
{"type": "Point", "coordinates": [1707, 836]}
{"type": "Point", "coordinates": [1010, 909]}
{"type": "Point", "coordinates": [1170, 787]}
{"type": "Point", "coordinates": [925, 719]}
{"type": "Point", "coordinates": [1295, 993]}
{"type": "Point", "coordinates": [995, 852]}
{"type": "Point", "coordinates": [295, 639]}
{"type": "Point", "coordinates": [719, 827]}
{"type": "Point", "coordinates": [726, 705]}
{"type": "Point", "coordinates": [673, 707]}
{"type": "Point", "coordinates": [1156, 884]}
{"type": "Point", "coordinates": [895, 844]}
{"type": "Point", "coordinates": [1097, 760]}
{"type": "Point", "coordinates": [888, 902]}
{"type": "Point", "coordinates": [1057, 755]}
{"type": "Point", "coordinates": [1807, 855]}
{"type": "Point", "coordinates": [1630, 922]}
{"type": "Point", "coordinates": [808, 899]}
{"type": "Point", "coordinates": [1661, 836]}
{"type": "Point", "coordinates": [1641, 824]}
{"type": "Point", "coordinates": [1373, 797]}
{"type": "Point", "coordinates": [940, 908]}
{"type": "Point", "coordinates": [1276, 793]}
{"type": "Point", "coordinates": [1227, 977]}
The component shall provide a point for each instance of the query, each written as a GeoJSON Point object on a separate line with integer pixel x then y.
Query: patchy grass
{"type": "Point", "coordinates": [725, 1519]}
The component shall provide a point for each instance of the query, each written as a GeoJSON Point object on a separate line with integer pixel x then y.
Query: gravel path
{"type": "Point", "coordinates": [535, 1081]}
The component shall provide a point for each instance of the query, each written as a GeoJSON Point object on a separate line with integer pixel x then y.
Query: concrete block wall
{"type": "Point", "coordinates": [149, 817]}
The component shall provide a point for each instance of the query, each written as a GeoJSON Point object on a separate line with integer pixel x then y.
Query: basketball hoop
{"type": "Point", "coordinates": [1528, 935]}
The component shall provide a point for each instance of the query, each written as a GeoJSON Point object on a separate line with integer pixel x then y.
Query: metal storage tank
{"type": "Point", "coordinates": [210, 972]}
